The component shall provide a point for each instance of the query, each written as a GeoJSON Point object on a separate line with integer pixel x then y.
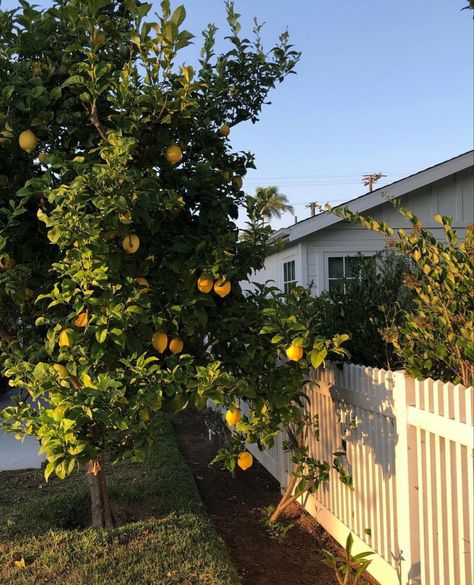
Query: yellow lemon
{"type": "Point", "coordinates": [232, 416]}
{"type": "Point", "coordinates": [143, 282]}
{"type": "Point", "coordinates": [65, 338]}
{"type": "Point", "coordinates": [43, 157]}
{"type": "Point", "coordinates": [205, 284]}
{"type": "Point", "coordinates": [294, 352]}
{"type": "Point", "coordinates": [176, 345]}
{"type": "Point", "coordinates": [245, 460]}
{"type": "Point", "coordinates": [225, 175]}
{"type": "Point", "coordinates": [82, 319]}
{"type": "Point", "coordinates": [173, 154]}
{"type": "Point", "coordinates": [61, 370]}
{"type": "Point", "coordinates": [131, 243]}
{"type": "Point", "coordinates": [224, 130]}
{"type": "Point", "coordinates": [238, 182]}
{"type": "Point", "coordinates": [28, 141]}
{"type": "Point", "coordinates": [222, 287]}
{"type": "Point", "coordinates": [160, 341]}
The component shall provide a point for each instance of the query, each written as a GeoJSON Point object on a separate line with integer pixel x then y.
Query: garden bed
{"type": "Point", "coordinates": [165, 536]}
{"type": "Point", "coordinates": [236, 505]}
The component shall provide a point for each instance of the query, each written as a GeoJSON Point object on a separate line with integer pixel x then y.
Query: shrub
{"type": "Point", "coordinates": [374, 299]}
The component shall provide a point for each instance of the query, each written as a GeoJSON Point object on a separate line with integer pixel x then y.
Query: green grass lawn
{"type": "Point", "coordinates": [165, 536]}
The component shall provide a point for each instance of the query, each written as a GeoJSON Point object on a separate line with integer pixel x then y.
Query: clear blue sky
{"type": "Point", "coordinates": [381, 86]}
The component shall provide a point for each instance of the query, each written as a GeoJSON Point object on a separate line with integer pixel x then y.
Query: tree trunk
{"type": "Point", "coordinates": [284, 500]}
{"type": "Point", "coordinates": [288, 498]}
{"type": "Point", "coordinates": [102, 514]}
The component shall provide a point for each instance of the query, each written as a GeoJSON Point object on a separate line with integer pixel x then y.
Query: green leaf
{"type": "Point", "coordinates": [318, 357]}
{"type": "Point", "coordinates": [73, 80]}
{"type": "Point", "coordinates": [101, 335]}
{"type": "Point", "coordinates": [179, 15]}
{"type": "Point", "coordinates": [55, 93]}
{"type": "Point", "coordinates": [54, 234]}
{"type": "Point", "coordinates": [50, 467]}
{"type": "Point", "coordinates": [41, 371]}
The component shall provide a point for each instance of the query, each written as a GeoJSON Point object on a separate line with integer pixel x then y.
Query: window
{"type": "Point", "coordinates": [289, 276]}
{"type": "Point", "coordinates": [341, 268]}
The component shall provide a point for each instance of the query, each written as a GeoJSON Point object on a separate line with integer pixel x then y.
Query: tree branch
{"type": "Point", "coordinates": [96, 122]}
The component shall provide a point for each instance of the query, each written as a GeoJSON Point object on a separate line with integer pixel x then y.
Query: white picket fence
{"type": "Point", "coordinates": [411, 458]}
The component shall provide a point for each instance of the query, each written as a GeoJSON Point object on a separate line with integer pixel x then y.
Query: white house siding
{"type": "Point", "coordinates": [274, 266]}
{"type": "Point", "coordinates": [342, 239]}
{"type": "Point", "coordinates": [453, 195]}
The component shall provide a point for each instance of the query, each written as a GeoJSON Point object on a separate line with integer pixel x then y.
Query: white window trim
{"type": "Point", "coordinates": [339, 254]}
{"type": "Point", "coordinates": [287, 261]}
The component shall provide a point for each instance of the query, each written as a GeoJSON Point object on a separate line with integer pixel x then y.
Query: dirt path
{"type": "Point", "coordinates": [236, 505]}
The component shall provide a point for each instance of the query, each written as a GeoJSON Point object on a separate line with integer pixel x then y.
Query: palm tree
{"type": "Point", "coordinates": [270, 203]}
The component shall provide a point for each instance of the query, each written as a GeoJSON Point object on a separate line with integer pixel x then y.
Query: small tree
{"type": "Point", "coordinates": [436, 338]}
{"type": "Point", "coordinates": [120, 260]}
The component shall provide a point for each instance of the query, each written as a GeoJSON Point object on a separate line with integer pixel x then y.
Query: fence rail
{"type": "Point", "coordinates": [409, 446]}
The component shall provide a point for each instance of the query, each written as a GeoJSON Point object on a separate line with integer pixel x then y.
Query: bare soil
{"type": "Point", "coordinates": [237, 504]}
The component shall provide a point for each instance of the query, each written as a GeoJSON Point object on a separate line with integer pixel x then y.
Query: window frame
{"type": "Point", "coordinates": [344, 256]}
{"type": "Point", "coordinates": [289, 284]}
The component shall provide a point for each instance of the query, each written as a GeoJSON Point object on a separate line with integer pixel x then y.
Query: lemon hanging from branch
{"type": "Point", "coordinates": [294, 352]}
{"type": "Point", "coordinates": [176, 345]}
{"type": "Point", "coordinates": [28, 141]}
{"type": "Point", "coordinates": [173, 154]}
{"type": "Point", "coordinates": [131, 243]}
{"type": "Point", "coordinates": [205, 284]}
{"type": "Point", "coordinates": [160, 341]}
{"type": "Point", "coordinates": [224, 130]}
{"type": "Point", "coordinates": [222, 287]}
{"type": "Point", "coordinates": [232, 416]}
{"type": "Point", "coordinates": [245, 460]}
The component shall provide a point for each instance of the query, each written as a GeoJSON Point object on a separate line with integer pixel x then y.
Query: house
{"type": "Point", "coordinates": [317, 251]}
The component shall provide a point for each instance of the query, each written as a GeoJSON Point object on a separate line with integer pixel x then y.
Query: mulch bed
{"type": "Point", "coordinates": [236, 506]}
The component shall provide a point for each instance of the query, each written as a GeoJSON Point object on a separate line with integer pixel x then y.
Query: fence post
{"type": "Point", "coordinates": [405, 477]}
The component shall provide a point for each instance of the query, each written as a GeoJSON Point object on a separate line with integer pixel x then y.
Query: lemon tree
{"type": "Point", "coordinates": [265, 396]}
{"type": "Point", "coordinates": [120, 258]}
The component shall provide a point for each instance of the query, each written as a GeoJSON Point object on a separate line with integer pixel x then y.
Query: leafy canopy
{"type": "Point", "coordinates": [106, 224]}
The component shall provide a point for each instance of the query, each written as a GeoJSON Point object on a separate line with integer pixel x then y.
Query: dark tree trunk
{"type": "Point", "coordinates": [285, 498]}
{"type": "Point", "coordinates": [102, 514]}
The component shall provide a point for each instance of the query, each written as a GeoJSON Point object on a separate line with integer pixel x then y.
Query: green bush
{"type": "Point", "coordinates": [436, 337]}
{"type": "Point", "coordinates": [373, 300]}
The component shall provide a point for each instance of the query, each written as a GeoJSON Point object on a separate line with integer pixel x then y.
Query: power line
{"type": "Point", "coordinates": [325, 176]}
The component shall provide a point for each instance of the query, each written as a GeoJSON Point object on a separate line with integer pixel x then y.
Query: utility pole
{"type": "Point", "coordinates": [369, 180]}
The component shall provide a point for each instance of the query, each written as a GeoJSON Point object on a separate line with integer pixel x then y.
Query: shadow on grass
{"type": "Point", "coordinates": [160, 485]}
{"type": "Point", "coordinates": [164, 536]}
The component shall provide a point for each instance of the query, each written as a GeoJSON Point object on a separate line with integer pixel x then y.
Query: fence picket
{"type": "Point", "coordinates": [413, 480]}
